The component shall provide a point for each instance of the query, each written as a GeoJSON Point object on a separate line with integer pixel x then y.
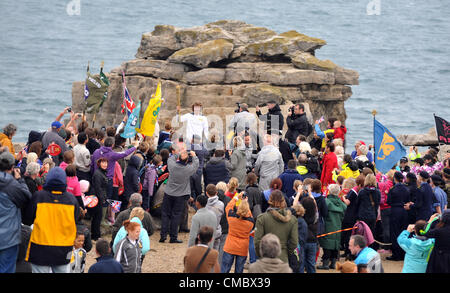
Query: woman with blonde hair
{"type": "Point", "coordinates": [240, 224]}
{"type": "Point", "coordinates": [232, 187]}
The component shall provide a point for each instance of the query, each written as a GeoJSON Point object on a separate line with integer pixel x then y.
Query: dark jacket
{"type": "Point", "coordinates": [286, 152]}
{"type": "Point", "coordinates": [31, 184]}
{"type": "Point", "coordinates": [297, 124]}
{"type": "Point", "coordinates": [92, 145]}
{"type": "Point", "coordinates": [440, 256]}
{"type": "Point", "coordinates": [424, 202]}
{"type": "Point", "coordinates": [254, 199]}
{"type": "Point", "coordinates": [287, 178]}
{"type": "Point", "coordinates": [216, 170]}
{"type": "Point", "coordinates": [310, 218]}
{"type": "Point", "coordinates": [99, 185]}
{"type": "Point", "coordinates": [106, 264]}
{"type": "Point", "coordinates": [14, 197]}
{"type": "Point", "coordinates": [131, 179]}
{"type": "Point", "coordinates": [53, 212]}
{"type": "Point", "coordinates": [367, 204]}
{"type": "Point", "coordinates": [270, 117]}
{"type": "Point", "coordinates": [223, 221]}
{"type": "Point", "coordinates": [351, 213]}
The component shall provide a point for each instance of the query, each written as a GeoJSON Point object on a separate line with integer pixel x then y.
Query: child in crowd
{"type": "Point", "coordinates": [339, 130]}
{"type": "Point", "coordinates": [78, 259]}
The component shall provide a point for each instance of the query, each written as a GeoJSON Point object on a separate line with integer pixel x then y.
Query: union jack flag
{"type": "Point", "coordinates": [115, 205]}
{"type": "Point", "coordinates": [128, 104]}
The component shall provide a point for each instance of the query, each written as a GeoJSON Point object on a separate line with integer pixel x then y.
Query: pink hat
{"type": "Point", "coordinates": [362, 142]}
{"type": "Point", "coordinates": [84, 185]}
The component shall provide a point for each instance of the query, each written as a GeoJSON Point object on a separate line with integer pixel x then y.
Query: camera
{"type": "Point", "coordinates": [244, 195]}
{"type": "Point", "coordinates": [238, 105]}
{"type": "Point", "coordinates": [292, 109]}
{"type": "Point", "coordinates": [69, 110]}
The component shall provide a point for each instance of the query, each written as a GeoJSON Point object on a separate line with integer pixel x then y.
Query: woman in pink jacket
{"type": "Point", "coordinates": [385, 183]}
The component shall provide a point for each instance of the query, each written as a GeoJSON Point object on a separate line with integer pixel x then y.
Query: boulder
{"type": "Point", "coordinates": [223, 63]}
{"type": "Point", "coordinates": [305, 60]}
{"type": "Point", "coordinates": [203, 54]}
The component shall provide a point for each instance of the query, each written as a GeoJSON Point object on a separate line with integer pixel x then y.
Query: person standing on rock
{"type": "Point", "coordinates": [274, 119]}
{"type": "Point", "coordinates": [196, 123]}
{"type": "Point", "coordinates": [297, 123]}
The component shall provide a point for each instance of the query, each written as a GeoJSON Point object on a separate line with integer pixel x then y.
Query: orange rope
{"type": "Point", "coordinates": [338, 231]}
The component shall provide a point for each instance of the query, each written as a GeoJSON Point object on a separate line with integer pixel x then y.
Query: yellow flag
{"type": "Point", "coordinates": [151, 114]}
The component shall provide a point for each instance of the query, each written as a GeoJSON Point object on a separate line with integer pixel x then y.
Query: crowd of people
{"type": "Point", "coordinates": [268, 202]}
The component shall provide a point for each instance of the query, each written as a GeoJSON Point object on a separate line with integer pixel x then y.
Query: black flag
{"type": "Point", "coordinates": [442, 130]}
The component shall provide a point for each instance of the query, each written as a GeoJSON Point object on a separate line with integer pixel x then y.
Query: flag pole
{"type": "Point", "coordinates": [374, 113]}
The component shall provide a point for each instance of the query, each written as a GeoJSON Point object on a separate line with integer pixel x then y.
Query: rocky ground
{"type": "Point", "coordinates": [168, 257]}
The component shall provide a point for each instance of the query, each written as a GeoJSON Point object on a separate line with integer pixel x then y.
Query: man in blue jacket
{"type": "Point", "coordinates": [287, 178]}
{"type": "Point", "coordinates": [364, 254]}
{"type": "Point", "coordinates": [105, 261]}
{"type": "Point", "coordinates": [14, 196]}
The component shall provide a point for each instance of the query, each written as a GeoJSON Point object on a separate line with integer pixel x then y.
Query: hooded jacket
{"type": "Point", "coordinates": [238, 169]}
{"type": "Point", "coordinates": [269, 165]}
{"type": "Point", "coordinates": [217, 207]}
{"type": "Point", "coordinates": [287, 178]}
{"type": "Point", "coordinates": [14, 196]}
{"type": "Point", "coordinates": [143, 237]}
{"type": "Point", "coordinates": [217, 169]}
{"type": "Point", "coordinates": [179, 183]}
{"type": "Point", "coordinates": [6, 142]}
{"type": "Point", "coordinates": [203, 217]}
{"type": "Point", "coordinates": [297, 124]}
{"type": "Point", "coordinates": [111, 156]}
{"type": "Point", "coordinates": [53, 212]}
{"type": "Point", "coordinates": [417, 250]}
{"type": "Point", "coordinates": [348, 171]}
{"type": "Point", "coordinates": [268, 265]}
{"type": "Point", "coordinates": [238, 230]}
{"type": "Point", "coordinates": [281, 223]}
{"type": "Point", "coordinates": [128, 254]}
{"type": "Point", "coordinates": [333, 222]}
{"type": "Point", "coordinates": [131, 179]}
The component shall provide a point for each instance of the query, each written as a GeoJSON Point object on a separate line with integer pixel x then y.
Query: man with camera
{"type": "Point", "coordinates": [297, 123]}
{"type": "Point", "coordinates": [182, 165]}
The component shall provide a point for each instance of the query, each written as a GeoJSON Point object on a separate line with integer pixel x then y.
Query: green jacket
{"type": "Point", "coordinates": [281, 223]}
{"type": "Point", "coordinates": [333, 222]}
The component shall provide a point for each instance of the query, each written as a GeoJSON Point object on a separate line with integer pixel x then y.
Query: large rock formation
{"type": "Point", "coordinates": [223, 63]}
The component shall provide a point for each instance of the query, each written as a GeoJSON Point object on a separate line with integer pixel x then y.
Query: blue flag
{"type": "Point", "coordinates": [388, 150]}
{"type": "Point", "coordinates": [132, 123]}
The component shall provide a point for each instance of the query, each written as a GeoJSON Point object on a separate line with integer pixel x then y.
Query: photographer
{"type": "Point", "coordinates": [244, 123]}
{"type": "Point", "coordinates": [177, 190]}
{"type": "Point", "coordinates": [297, 123]}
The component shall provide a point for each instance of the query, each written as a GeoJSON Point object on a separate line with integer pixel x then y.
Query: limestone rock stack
{"type": "Point", "coordinates": [223, 63]}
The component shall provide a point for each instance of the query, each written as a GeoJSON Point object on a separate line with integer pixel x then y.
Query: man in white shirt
{"type": "Point", "coordinates": [196, 123]}
{"type": "Point", "coordinates": [82, 158]}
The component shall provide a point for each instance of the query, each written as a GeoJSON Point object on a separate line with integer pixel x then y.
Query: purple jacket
{"type": "Point", "coordinates": [364, 230]}
{"type": "Point", "coordinates": [149, 179]}
{"type": "Point", "coordinates": [112, 156]}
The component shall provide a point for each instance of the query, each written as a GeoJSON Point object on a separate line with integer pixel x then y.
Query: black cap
{"type": "Point", "coordinates": [398, 176]}
{"type": "Point", "coordinates": [424, 175]}
{"type": "Point", "coordinates": [419, 161]}
{"type": "Point", "coordinates": [427, 157]}
{"type": "Point", "coordinates": [404, 160]}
